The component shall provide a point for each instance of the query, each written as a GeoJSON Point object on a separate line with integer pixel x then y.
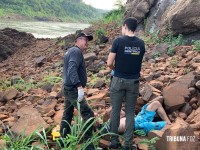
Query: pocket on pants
{"type": "Point", "coordinates": [115, 84]}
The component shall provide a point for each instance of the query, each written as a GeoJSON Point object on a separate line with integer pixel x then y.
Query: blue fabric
{"type": "Point", "coordinates": [143, 121]}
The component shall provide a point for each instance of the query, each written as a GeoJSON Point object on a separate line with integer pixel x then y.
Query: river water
{"type": "Point", "coordinates": [44, 29]}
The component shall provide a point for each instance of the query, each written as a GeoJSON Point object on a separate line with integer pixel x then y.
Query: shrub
{"type": "Point", "coordinates": [197, 45]}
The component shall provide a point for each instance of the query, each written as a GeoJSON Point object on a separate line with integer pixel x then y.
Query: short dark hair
{"type": "Point", "coordinates": [131, 23]}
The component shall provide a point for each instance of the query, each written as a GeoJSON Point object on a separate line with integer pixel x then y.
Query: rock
{"type": "Point", "coordinates": [29, 121]}
{"type": "Point", "coordinates": [51, 113]}
{"type": "Point", "coordinates": [175, 94]}
{"type": "Point", "coordinates": [91, 92]}
{"type": "Point", "coordinates": [198, 84]}
{"type": "Point", "coordinates": [138, 9]}
{"type": "Point", "coordinates": [90, 56]}
{"type": "Point", "coordinates": [157, 84]}
{"type": "Point", "coordinates": [187, 109]}
{"type": "Point", "coordinates": [98, 97]}
{"type": "Point", "coordinates": [40, 61]}
{"type": "Point", "coordinates": [194, 100]}
{"type": "Point", "coordinates": [58, 116]}
{"type": "Point", "coordinates": [99, 83]}
{"type": "Point", "coordinates": [182, 115]}
{"type": "Point", "coordinates": [12, 93]}
{"type": "Point", "coordinates": [148, 92]}
{"type": "Point", "coordinates": [47, 106]}
{"type": "Point", "coordinates": [3, 116]}
{"type": "Point", "coordinates": [175, 16]}
{"type": "Point", "coordinates": [190, 117]}
{"type": "Point", "coordinates": [196, 118]}
{"type": "Point", "coordinates": [196, 126]}
{"type": "Point", "coordinates": [179, 136]}
{"type": "Point", "coordinates": [10, 119]}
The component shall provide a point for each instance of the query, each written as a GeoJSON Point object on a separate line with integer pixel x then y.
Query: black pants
{"type": "Point", "coordinates": [86, 112]}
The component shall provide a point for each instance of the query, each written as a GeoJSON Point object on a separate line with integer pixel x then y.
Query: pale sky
{"type": "Point", "coordinates": [102, 4]}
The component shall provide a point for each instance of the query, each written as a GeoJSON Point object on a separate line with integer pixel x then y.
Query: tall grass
{"type": "Point", "coordinates": [73, 141]}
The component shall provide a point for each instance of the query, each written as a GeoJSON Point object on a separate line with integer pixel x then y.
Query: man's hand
{"type": "Point", "coordinates": [80, 94]}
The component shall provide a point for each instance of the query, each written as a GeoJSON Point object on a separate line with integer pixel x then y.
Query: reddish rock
{"type": "Point", "coordinates": [190, 117]}
{"type": "Point", "coordinates": [58, 116]}
{"type": "Point", "coordinates": [174, 95]}
{"type": "Point", "coordinates": [98, 97]}
{"type": "Point", "coordinates": [30, 120]}
{"type": "Point", "coordinates": [3, 116]}
{"type": "Point", "coordinates": [196, 118]}
{"type": "Point", "coordinates": [47, 106]}
{"type": "Point", "coordinates": [156, 84]}
{"type": "Point", "coordinates": [182, 115]}
{"type": "Point", "coordinates": [178, 136]}
{"type": "Point", "coordinates": [12, 93]}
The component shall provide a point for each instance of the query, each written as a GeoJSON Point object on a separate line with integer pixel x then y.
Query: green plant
{"type": "Point", "coordinates": [174, 40]}
{"type": "Point", "coordinates": [52, 79]}
{"type": "Point", "coordinates": [99, 32]}
{"type": "Point", "coordinates": [170, 51]}
{"type": "Point", "coordinates": [77, 132]}
{"type": "Point", "coordinates": [140, 132]}
{"type": "Point", "coordinates": [174, 62]}
{"type": "Point", "coordinates": [197, 45]}
{"type": "Point", "coordinates": [156, 55]}
{"type": "Point", "coordinates": [115, 15]}
{"type": "Point", "coordinates": [20, 84]}
{"type": "Point", "coordinates": [150, 143]}
{"type": "Point", "coordinates": [186, 70]}
{"type": "Point", "coordinates": [21, 141]}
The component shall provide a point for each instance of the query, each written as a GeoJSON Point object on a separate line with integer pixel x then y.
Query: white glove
{"type": "Point", "coordinates": [80, 94]}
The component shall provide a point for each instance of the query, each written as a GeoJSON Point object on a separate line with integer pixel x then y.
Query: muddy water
{"type": "Point", "coordinates": [44, 29]}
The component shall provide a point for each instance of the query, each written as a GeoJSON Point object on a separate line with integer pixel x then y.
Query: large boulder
{"type": "Point", "coordinates": [138, 8]}
{"type": "Point", "coordinates": [183, 16]}
{"type": "Point", "coordinates": [30, 120]}
{"type": "Point", "coordinates": [180, 16]}
{"type": "Point", "coordinates": [179, 136]}
{"type": "Point", "coordinates": [177, 93]}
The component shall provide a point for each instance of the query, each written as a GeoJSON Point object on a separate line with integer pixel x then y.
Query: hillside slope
{"type": "Point", "coordinates": [62, 10]}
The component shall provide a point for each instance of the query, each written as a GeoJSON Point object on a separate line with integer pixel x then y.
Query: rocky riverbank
{"type": "Point", "coordinates": [173, 80]}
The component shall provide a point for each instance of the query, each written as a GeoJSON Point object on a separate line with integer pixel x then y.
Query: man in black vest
{"type": "Point", "coordinates": [75, 79]}
{"type": "Point", "coordinates": [125, 58]}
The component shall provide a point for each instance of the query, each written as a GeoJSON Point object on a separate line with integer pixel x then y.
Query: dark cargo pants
{"type": "Point", "coordinates": [71, 94]}
{"type": "Point", "coordinates": [127, 89]}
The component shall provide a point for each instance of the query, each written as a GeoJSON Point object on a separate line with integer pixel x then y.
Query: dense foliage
{"type": "Point", "coordinates": [65, 10]}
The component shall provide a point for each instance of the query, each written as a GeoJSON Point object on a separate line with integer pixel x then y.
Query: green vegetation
{"type": "Point", "coordinates": [150, 143]}
{"type": "Point", "coordinates": [115, 15]}
{"type": "Point", "coordinates": [65, 10]}
{"type": "Point", "coordinates": [174, 62]}
{"type": "Point", "coordinates": [20, 84]}
{"type": "Point", "coordinates": [74, 140]}
{"type": "Point", "coordinates": [197, 45]}
{"type": "Point", "coordinates": [170, 39]}
{"type": "Point", "coordinates": [156, 55]}
{"type": "Point", "coordinates": [23, 85]}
